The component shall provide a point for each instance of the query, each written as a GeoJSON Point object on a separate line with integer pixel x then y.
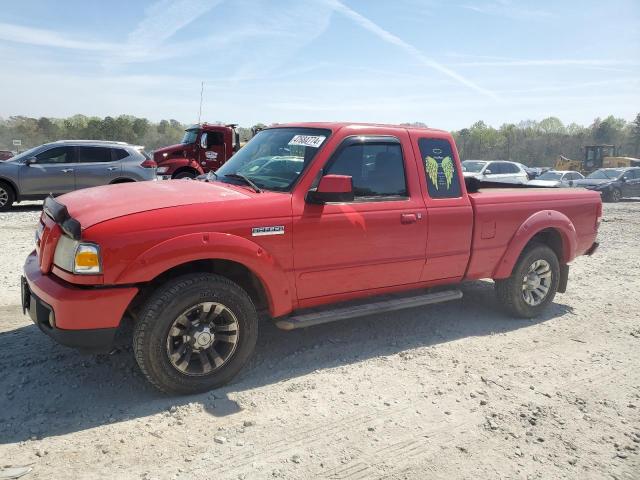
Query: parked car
{"type": "Point", "coordinates": [495, 171]}
{"type": "Point", "coordinates": [613, 183]}
{"type": "Point", "coordinates": [556, 178]}
{"type": "Point", "coordinates": [352, 212]}
{"type": "Point", "coordinates": [5, 155]}
{"type": "Point", "coordinates": [67, 165]}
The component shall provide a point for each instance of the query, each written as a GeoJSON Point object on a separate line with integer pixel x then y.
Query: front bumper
{"type": "Point", "coordinates": [81, 317]}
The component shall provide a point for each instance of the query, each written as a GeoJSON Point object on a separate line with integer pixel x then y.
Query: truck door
{"type": "Point", "coordinates": [212, 152]}
{"type": "Point", "coordinates": [449, 211]}
{"type": "Point", "coordinates": [53, 172]}
{"type": "Point", "coordinates": [376, 241]}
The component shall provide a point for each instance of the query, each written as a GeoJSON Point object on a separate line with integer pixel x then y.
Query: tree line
{"type": "Point", "coordinates": [534, 143]}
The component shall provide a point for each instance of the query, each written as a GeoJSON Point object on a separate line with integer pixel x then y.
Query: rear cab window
{"type": "Point", "coordinates": [440, 168]}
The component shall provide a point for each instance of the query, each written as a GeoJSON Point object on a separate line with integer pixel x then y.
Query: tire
{"type": "Point", "coordinates": [7, 197]}
{"type": "Point", "coordinates": [515, 293]}
{"type": "Point", "coordinates": [157, 345]}
{"type": "Point", "coordinates": [614, 196]}
{"type": "Point", "coordinates": [180, 175]}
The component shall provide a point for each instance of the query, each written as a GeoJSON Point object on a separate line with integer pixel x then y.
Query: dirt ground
{"type": "Point", "coordinates": [456, 390]}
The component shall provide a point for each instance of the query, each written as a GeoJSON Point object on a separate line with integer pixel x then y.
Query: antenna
{"type": "Point", "coordinates": [201, 92]}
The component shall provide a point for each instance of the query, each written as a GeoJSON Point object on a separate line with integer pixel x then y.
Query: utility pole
{"type": "Point", "coordinates": [201, 92]}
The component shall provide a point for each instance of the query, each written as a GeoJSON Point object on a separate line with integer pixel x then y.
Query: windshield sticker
{"type": "Point", "coordinates": [313, 141]}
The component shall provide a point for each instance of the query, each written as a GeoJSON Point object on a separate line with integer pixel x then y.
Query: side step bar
{"type": "Point", "coordinates": [342, 313]}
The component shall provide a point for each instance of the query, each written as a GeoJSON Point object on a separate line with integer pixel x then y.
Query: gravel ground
{"type": "Point", "coordinates": [456, 390]}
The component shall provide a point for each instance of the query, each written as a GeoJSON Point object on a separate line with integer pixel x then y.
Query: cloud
{"type": "Point", "coordinates": [164, 19]}
{"type": "Point", "coordinates": [48, 38]}
{"type": "Point", "coordinates": [548, 63]}
{"type": "Point", "coordinates": [392, 39]}
{"type": "Point", "coordinates": [505, 8]}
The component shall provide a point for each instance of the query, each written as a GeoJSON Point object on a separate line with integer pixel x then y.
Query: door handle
{"type": "Point", "coordinates": [111, 169]}
{"type": "Point", "coordinates": [67, 170]}
{"type": "Point", "coordinates": [408, 218]}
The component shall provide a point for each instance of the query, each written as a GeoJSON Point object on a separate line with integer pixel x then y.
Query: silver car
{"type": "Point", "coordinates": [66, 165]}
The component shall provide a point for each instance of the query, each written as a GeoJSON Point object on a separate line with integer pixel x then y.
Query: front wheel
{"type": "Point", "coordinates": [181, 175]}
{"type": "Point", "coordinates": [533, 283]}
{"type": "Point", "coordinates": [195, 333]}
{"type": "Point", "coordinates": [614, 196]}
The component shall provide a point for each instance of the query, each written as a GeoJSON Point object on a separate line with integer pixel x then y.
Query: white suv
{"type": "Point", "coordinates": [495, 171]}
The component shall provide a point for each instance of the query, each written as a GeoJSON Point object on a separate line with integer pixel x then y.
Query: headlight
{"type": "Point", "coordinates": [78, 257]}
{"type": "Point", "coordinates": [165, 154]}
{"type": "Point", "coordinates": [162, 169]}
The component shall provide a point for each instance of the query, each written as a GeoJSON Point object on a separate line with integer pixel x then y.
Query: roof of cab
{"type": "Point", "coordinates": [338, 125]}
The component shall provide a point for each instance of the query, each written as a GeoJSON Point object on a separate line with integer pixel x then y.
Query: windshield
{"type": "Point", "coordinates": [189, 136]}
{"type": "Point", "coordinates": [606, 174]}
{"type": "Point", "coordinates": [550, 176]}
{"type": "Point", "coordinates": [472, 165]}
{"type": "Point", "coordinates": [24, 155]}
{"type": "Point", "coordinates": [275, 158]}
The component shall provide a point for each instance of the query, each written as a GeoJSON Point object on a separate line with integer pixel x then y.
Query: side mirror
{"type": "Point", "coordinates": [203, 140]}
{"type": "Point", "coordinates": [332, 188]}
{"type": "Point", "coordinates": [487, 172]}
{"type": "Point", "coordinates": [30, 161]}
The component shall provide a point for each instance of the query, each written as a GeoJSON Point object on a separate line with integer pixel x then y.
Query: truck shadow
{"type": "Point", "coordinates": [50, 390]}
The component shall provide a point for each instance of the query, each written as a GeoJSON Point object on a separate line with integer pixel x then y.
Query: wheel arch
{"type": "Point", "coordinates": [121, 180]}
{"type": "Point", "coordinates": [548, 227]}
{"type": "Point", "coordinates": [235, 258]}
{"type": "Point", "coordinates": [12, 184]}
{"type": "Point", "coordinates": [187, 168]}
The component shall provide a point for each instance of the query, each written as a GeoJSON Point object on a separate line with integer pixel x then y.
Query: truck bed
{"type": "Point", "coordinates": [501, 212]}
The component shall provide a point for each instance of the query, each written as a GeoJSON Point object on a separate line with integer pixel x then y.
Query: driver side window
{"type": "Point", "coordinates": [56, 155]}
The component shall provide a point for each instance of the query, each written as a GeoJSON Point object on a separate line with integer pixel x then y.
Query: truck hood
{"type": "Point", "coordinates": [173, 148]}
{"type": "Point", "coordinates": [91, 206]}
{"type": "Point", "coordinates": [181, 149]}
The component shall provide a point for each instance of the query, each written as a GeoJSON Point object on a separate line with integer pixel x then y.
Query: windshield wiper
{"type": "Point", "coordinates": [245, 180]}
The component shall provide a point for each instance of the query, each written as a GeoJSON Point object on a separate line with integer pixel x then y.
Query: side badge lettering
{"type": "Point", "coordinates": [260, 231]}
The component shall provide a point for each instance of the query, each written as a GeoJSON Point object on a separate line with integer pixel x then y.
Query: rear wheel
{"type": "Point", "coordinates": [7, 197]}
{"type": "Point", "coordinates": [533, 283]}
{"type": "Point", "coordinates": [195, 333]}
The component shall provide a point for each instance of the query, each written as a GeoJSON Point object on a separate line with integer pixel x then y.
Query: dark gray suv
{"type": "Point", "coordinates": [66, 165]}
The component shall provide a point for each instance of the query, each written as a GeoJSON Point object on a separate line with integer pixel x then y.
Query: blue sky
{"type": "Point", "coordinates": [444, 63]}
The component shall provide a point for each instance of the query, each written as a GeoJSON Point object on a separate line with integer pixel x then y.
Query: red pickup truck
{"type": "Point", "coordinates": [308, 223]}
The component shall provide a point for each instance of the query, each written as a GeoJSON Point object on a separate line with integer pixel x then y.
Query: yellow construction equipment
{"type": "Point", "coordinates": [595, 157]}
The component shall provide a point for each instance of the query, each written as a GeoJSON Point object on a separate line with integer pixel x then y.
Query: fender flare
{"type": "Point", "coordinates": [214, 246]}
{"type": "Point", "coordinates": [539, 221]}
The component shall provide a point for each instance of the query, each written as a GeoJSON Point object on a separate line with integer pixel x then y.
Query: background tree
{"type": "Point", "coordinates": [530, 142]}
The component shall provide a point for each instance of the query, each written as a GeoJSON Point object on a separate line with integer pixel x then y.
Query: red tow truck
{"type": "Point", "coordinates": [308, 223]}
{"type": "Point", "coordinates": [203, 148]}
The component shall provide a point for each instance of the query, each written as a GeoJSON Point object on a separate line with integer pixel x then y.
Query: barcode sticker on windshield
{"type": "Point", "coordinates": [313, 141]}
